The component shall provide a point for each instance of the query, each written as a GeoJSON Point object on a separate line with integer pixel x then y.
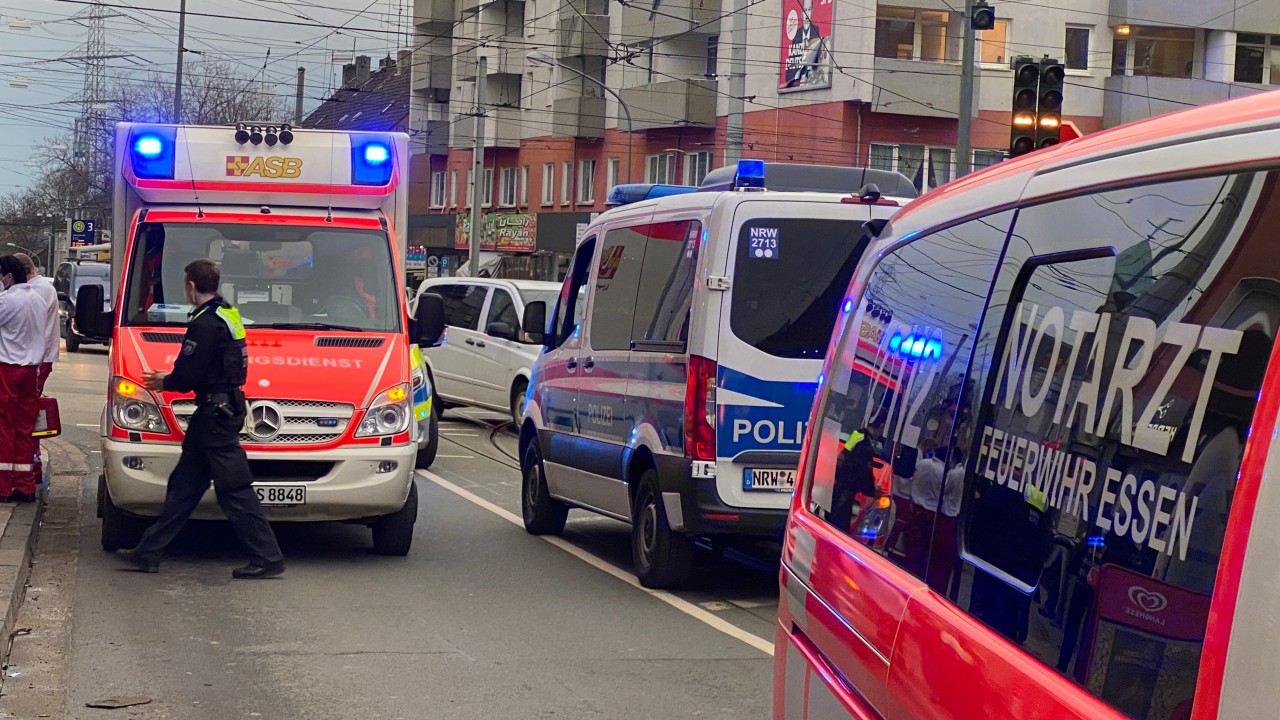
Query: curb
{"type": "Point", "coordinates": [17, 546]}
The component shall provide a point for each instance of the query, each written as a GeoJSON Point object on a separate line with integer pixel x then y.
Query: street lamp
{"type": "Point", "coordinates": [28, 251]}
{"type": "Point", "coordinates": [542, 58]}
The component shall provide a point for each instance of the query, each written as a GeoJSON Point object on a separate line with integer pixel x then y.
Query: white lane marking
{"type": "Point", "coordinates": [459, 434]}
{"type": "Point", "coordinates": [458, 457]}
{"type": "Point", "coordinates": [674, 601]}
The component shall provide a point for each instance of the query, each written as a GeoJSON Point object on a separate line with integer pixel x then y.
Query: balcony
{"type": "Point", "coordinates": [431, 73]}
{"type": "Point", "coordinates": [508, 59]}
{"type": "Point", "coordinates": [914, 87]}
{"type": "Point", "coordinates": [671, 17]}
{"type": "Point", "coordinates": [503, 128]}
{"type": "Point", "coordinates": [433, 140]}
{"type": "Point", "coordinates": [432, 11]}
{"type": "Point", "coordinates": [1130, 98]}
{"type": "Point", "coordinates": [582, 29]}
{"type": "Point", "coordinates": [581, 116]}
{"type": "Point", "coordinates": [670, 104]}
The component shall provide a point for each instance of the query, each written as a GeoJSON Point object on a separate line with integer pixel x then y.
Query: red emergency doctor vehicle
{"type": "Point", "coordinates": [1099, 374]}
{"type": "Point", "coordinates": [303, 224]}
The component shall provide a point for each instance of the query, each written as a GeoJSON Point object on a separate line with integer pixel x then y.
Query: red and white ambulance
{"type": "Point", "coordinates": [1086, 437]}
{"type": "Point", "coordinates": [304, 226]}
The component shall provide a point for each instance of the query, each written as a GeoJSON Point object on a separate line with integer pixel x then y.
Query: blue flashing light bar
{"type": "Point", "coordinates": [371, 161]}
{"type": "Point", "coordinates": [916, 347]}
{"type": "Point", "coordinates": [152, 152]}
{"type": "Point", "coordinates": [635, 192]}
{"type": "Point", "coordinates": [750, 174]}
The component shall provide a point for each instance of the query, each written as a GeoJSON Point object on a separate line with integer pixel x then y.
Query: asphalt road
{"type": "Point", "coordinates": [481, 620]}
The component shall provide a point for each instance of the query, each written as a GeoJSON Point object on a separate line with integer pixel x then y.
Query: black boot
{"type": "Point", "coordinates": [143, 564]}
{"type": "Point", "coordinates": [255, 571]}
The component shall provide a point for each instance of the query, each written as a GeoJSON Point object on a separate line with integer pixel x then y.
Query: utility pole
{"type": "Point", "coordinates": [964, 137]}
{"type": "Point", "coordinates": [177, 83]}
{"type": "Point", "coordinates": [477, 169]}
{"type": "Point", "coordinates": [297, 106]}
{"type": "Point", "coordinates": [737, 81]}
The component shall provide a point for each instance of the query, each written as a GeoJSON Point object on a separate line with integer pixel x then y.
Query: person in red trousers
{"type": "Point", "coordinates": [22, 348]}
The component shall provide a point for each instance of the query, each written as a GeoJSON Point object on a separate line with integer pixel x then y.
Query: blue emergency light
{"type": "Point", "coordinates": [635, 192]}
{"type": "Point", "coordinates": [151, 152]}
{"type": "Point", "coordinates": [916, 347]}
{"type": "Point", "coordinates": [371, 162]}
{"type": "Point", "coordinates": [750, 174]}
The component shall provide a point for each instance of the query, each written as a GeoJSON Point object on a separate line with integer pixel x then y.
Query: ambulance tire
{"type": "Point", "coordinates": [73, 341]}
{"type": "Point", "coordinates": [393, 534]}
{"type": "Point", "coordinates": [663, 557]}
{"type": "Point", "coordinates": [119, 530]}
{"type": "Point", "coordinates": [427, 455]}
{"type": "Point", "coordinates": [543, 514]}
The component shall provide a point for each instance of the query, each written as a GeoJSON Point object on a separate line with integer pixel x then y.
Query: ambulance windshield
{"type": "Point", "coordinates": [285, 276]}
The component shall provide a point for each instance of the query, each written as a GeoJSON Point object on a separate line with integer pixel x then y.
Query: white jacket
{"type": "Point", "coordinates": [22, 331]}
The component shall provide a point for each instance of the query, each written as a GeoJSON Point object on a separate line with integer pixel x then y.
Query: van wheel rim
{"type": "Point", "coordinates": [648, 530]}
{"type": "Point", "coordinates": [531, 490]}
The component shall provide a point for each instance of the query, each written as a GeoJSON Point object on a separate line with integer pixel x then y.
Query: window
{"type": "Point", "coordinates": [462, 304]}
{"type": "Point", "coordinates": [644, 287]}
{"type": "Point", "coordinates": [927, 167]}
{"type": "Point", "coordinates": [987, 158]}
{"type": "Point", "coordinates": [502, 309]}
{"type": "Point", "coordinates": [1258, 59]}
{"type": "Point", "coordinates": [788, 280]}
{"type": "Point", "coordinates": [911, 34]}
{"type": "Point", "coordinates": [548, 183]}
{"type": "Point", "coordinates": [696, 167]}
{"type": "Point", "coordinates": [586, 181]}
{"type": "Point", "coordinates": [1156, 52]}
{"type": "Point", "coordinates": [660, 169]}
{"type": "Point", "coordinates": [437, 189]}
{"type": "Point", "coordinates": [1076, 55]}
{"type": "Point", "coordinates": [453, 188]}
{"type": "Point", "coordinates": [897, 398]}
{"type": "Point", "coordinates": [507, 190]}
{"type": "Point", "coordinates": [572, 305]}
{"type": "Point", "coordinates": [713, 55]}
{"type": "Point", "coordinates": [995, 45]}
{"type": "Point", "coordinates": [524, 186]}
{"type": "Point", "coordinates": [486, 187]}
{"type": "Point", "coordinates": [1116, 390]}
{"type": "Point", "coordinates": [566, 182]}
{"type": "Point", "coordinates": [616, 288]}
{"type": "Point", "coordinates": [612, 170]}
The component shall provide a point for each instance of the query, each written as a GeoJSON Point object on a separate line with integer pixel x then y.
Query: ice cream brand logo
{"type": "Point", "coordinates": [267, 167]}
{"type": "Point", "coordinates": [1147, 600]}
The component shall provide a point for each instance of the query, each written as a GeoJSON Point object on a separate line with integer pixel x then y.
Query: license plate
{"type": "Point", "coordinates": [281, 494]}
{"type": "Point", "coordinates": [769, 480]}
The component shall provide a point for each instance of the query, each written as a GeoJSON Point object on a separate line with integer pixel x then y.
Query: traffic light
{"type": "Point", "coordinates": [1026, 97]}
{"type": "Point", "coordinates": [984, 16]}
{"type": "Point", "coordinates": [1049, 106]}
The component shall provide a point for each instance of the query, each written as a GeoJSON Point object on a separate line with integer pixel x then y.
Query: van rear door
{"type": "Point", "coordinates": [790, 263]}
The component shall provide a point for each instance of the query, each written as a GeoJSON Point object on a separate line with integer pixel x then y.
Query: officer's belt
{"type": "Point", "coordinates": [231, 397]}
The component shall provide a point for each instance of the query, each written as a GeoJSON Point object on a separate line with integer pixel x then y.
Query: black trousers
{"type": "Point", "coordinates": [211, 451]}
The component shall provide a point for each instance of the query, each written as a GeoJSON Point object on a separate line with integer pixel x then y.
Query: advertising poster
{"type": "Point", "coordinates": [503, 232]}
{"type": "Point", "coordinates": [806, 45]}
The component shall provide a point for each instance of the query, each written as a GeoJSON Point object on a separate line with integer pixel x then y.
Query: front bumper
{"type": "Point", "coordinates": [351, 489]}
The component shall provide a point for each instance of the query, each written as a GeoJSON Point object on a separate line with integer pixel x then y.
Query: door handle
{"type": "Point", "coordinates": [470, 341]}
{"type": "Point", "coordinates": [589, 364]}
{"type": "Point", "coordinates": [479, 343]}
{"type": "Point", "coordinates": [571, 364]}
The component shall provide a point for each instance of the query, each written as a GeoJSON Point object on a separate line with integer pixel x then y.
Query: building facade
{"type": "Point", "coordinates": [839, 82]}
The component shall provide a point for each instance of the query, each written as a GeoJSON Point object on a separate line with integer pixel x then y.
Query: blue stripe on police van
{"type": "Point", "coordinates": [773, 419]}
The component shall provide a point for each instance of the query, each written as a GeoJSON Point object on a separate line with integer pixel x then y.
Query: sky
{"type": "Point", "coordinates": [296, 33]}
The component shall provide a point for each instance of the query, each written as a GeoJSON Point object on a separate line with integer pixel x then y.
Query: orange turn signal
{"type": "Point", "coordinates": [127, 388]}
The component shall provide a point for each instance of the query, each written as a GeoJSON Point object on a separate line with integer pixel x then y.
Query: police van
{"type": "Point", "coordinates": [1081, 351]}
{"type": "Point", "coordinates": [683, 352]}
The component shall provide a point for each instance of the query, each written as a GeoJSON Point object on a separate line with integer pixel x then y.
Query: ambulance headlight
{"type": "Point", "coordinates": [389, 413]}
{"type": "Point", "coordinates": [371, 162]}
{"type": "Point", "coordinates": [151, 153]}
{"type": "Point", "coordinates": [134, 408]}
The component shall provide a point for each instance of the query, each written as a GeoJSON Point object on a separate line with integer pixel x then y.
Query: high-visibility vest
{"type": "Point", "coordinates": [855, 437]}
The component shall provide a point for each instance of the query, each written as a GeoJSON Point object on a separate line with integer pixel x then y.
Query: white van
{"type": "Point", "coordinates": [484, 357]}
{"type": "Point", "coordinates": [683, 354]}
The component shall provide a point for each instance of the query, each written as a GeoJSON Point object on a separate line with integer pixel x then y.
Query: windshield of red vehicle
{"type": "Point", "coordinates": [284, 276]}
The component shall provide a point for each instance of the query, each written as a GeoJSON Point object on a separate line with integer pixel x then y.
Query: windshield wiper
{"type": "Point", "coordinates": [308, 326]}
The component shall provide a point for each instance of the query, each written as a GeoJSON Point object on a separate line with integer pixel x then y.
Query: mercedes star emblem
{"type": "Point", "coordinates": [264, 421]}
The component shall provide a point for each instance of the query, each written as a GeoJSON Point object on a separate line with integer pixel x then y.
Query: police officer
{"type": "Point", "coordinates": [855, 471]}
{"type": "Point", "coordinates": [213, 363]}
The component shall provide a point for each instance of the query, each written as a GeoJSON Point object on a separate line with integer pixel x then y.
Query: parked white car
{"type": "Point", "coordinates": [484, 358]}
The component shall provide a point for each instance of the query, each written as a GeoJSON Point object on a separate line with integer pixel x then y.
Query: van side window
{"type": "Point", "coordinates": [888, 467]}
{"type": "Point", "coordinates": [502, 309]}
{"type": "Point", "coordinates": [462, 304]}
{"type": "Point", "coordinates": [1120, 362]}
{"type": "Point", "coordinates": [666, 286]}
{"type": "Point", "coordinates": [62, 280]}
{"type": "Point", "coordinates": [617, 287]}
{"type": "Point", "coordinates": [572, 304]}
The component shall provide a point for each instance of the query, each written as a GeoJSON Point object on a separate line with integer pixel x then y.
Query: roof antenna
{"type": "Point", "coordinates": [328, 217]}
{"type": "Point", "coordinates": [191, 171]}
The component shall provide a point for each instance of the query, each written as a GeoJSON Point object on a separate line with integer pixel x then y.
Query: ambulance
{"type": "Point", "coordinates": [307, 227]}
{"type": "Point", "coordinates": [1088, 341]}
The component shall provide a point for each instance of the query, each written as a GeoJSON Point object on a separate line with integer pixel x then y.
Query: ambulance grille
{"type": "Point", "coordinates": [299, 420]}
{"type": "Point", "coordinates": [162, 337]}
{"type": "Point", "coordinates": [351, 342]}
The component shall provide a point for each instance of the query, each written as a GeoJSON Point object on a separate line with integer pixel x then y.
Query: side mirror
{"type": "Point", "coordinates": [430, 319]}
{"type": "Point", "coordinates": [535, 322]}
{"type": "Point", "coordinates": [501, 330]}
{"type": "Point", "coordinates": [63, 297]}
{"type": "Point", "coordinates": [91, 319]}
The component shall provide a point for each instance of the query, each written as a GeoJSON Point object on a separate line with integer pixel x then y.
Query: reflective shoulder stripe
{"type": "Point", "coordinates": [231, 316]}
{"type": "Point", "coordinates": [855, 437]}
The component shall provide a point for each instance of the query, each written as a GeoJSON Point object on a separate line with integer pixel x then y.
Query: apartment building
{"type": "Point", "coordinates": [847, 82]}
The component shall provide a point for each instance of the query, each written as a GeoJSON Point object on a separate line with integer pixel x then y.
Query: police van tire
{"type": "Point", "coordinates": [119, 531]}
{"type": "Point", "coordinates": [663, 557]}
{"type": "Point", "coordinates": [427, 455]}
{"type": "Point", "coordinates": [543, 514]}
{"type": "Point", "coordinates": [518, 392]}
{"type": "Point", "coordinates": [393, 534]}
